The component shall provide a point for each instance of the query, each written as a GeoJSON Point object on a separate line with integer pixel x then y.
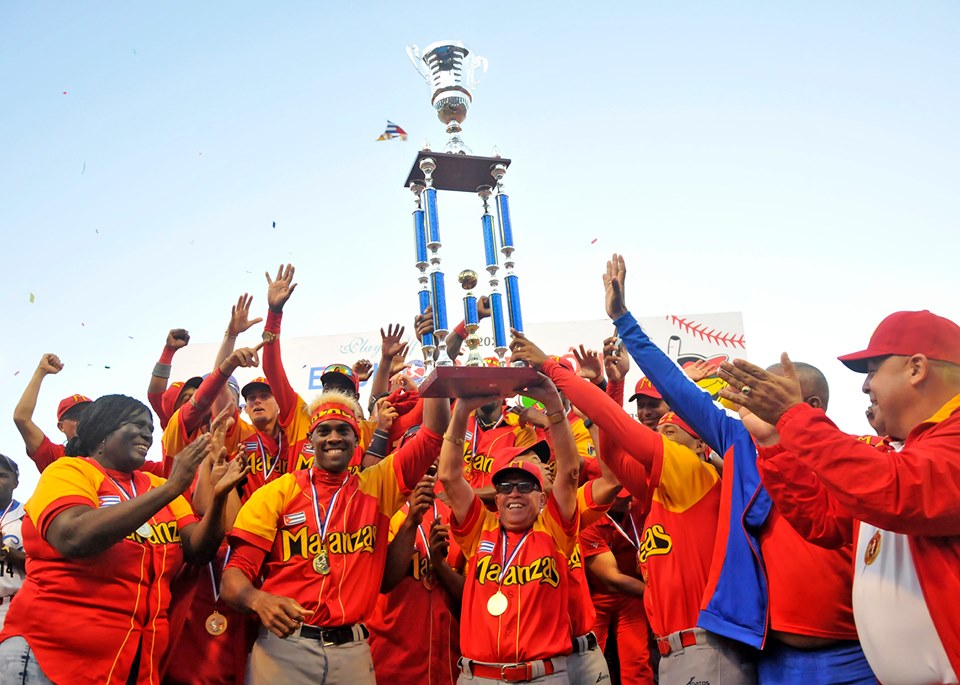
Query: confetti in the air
{"type": "Point", "coordinates": [592, 242]}
{"type": "Point", "coordinates": [83, 169]}
{"type": "Point", "coordinates": [64, 92]}
{"type": "Point", "coordinates": [274, 224]}
{"type": "Point", "coordinates": [16, 373]}
{"type": "Point", "coordinates": [32, 298]}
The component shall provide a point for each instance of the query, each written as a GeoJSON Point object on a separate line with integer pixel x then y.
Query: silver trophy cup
{"type": "Point", "coordinates": [452, 71]}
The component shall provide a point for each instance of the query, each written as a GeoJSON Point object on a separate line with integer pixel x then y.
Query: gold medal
{"type": "Point", "coordinates": [321, 563]}
{"type": "Point", "coordinates": [427, 580]}
{"type": "Point", "coordinates": [216, 623]}
{"type": "Point", "coordinates": [145, 531]}
{"type": "Point", "coordinates": [872, 550]}
{"type": "Point", "coordinates": [497, 604]}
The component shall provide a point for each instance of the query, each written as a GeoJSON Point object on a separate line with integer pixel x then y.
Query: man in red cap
{"type": "Point", "coordinates": [650, 404]}
{"type": "Point", "coordinates": [40, 448]}
{"type": "Point", "coordinates": [901, 511]}
{"type": "Point", "coordinates": [515, 626]}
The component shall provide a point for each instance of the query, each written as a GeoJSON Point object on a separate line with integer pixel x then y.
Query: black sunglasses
{"type": "Point", "coordinates": [523, 487]}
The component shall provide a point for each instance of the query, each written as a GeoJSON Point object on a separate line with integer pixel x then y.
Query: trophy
{"type": "Point", "coordinates": [451, 71]}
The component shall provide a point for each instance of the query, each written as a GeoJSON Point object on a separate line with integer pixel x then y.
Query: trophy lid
{"type": "Point", "coordinates": [464, 173]}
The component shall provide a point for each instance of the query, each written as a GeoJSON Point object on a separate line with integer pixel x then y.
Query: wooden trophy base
{"type": "Point", "coordinates": [476, 381]}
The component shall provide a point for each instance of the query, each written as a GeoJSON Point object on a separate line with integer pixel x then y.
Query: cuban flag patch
{"type": "Point", "coordinates": [294, 519]}
{"type": "Point", "coordinates": [109, 500]}
{"type": "Point", "coordinates": [486, 547]}
{"type": "Point", "coordinates": [250, 446]}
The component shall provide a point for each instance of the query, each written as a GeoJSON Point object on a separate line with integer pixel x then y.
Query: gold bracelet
{"type": "Point", "coordinates": [269, 337]}
{"type": "Point", "coordinates": [557, 416]}
{"type": "Point", "coordinates": [450, 438]}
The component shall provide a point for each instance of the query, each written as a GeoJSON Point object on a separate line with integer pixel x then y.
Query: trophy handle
{"type": "Point", "coordinates": [478, 63]}
{"type": "Point", "coordinates": [413, 52]}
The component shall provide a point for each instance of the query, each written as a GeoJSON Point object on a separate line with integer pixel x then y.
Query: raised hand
{"type": "Point", "coordinates": [483, 307]}
{"type": "Point", "coordinates": [764, 433]}
{"type": "Point", "coordinates": [245, 357]}
{"type": "Point", "coordinates": [402, 380]}
{"type": "Point", "coordinates": [363, 368]}
{"type": "Point", "coordinates": [392, 341]}
{"type": "Point", "coordinates": [178, 338]}
{"type": "Point", "coordinates": [616, 363]}
{"type": "Point", "coordinates": [700, 369]}
{"type": "Point", "coordinates": [764, 393]}
{"type": "Point", "coordinates": [240, 316]}
{"type": "Point", "coordinates": [399, 362]}
{"type": "Point", "coordinates": [439, 540]}
{"type": "Point", "coordinates": [423, 323]}
{"type": "Point", "coordinates": [280, 288]}
{"type": "Point", "coordinates": [531, 416]}
{"type": "Point", "coordinates": [545, 392]}
{"type": "Point", "coordinates": [591, 367]}
{"type": "Point", "coordinates": [187, 461]}
{"type": "Point", "coordinates": [521, 348]}
{"type": "Point", "coordinates": [50, 364]}
{"type": "Point", "coordinates": [614, 281]}
{"type": "Point", "coordinates": [386, 414]}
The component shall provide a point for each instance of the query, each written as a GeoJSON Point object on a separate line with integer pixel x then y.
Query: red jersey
{"type": "Point", "coordinates": [810, 588]}
{"type": "Point", "coordinates": [279, 527]}
{"type": "Point", "coordinates": [535, 624]}
{"type": "Point", "coordinates": [46, 454]}
{"type": "Point", "coordinates": [85, 618]}
{"type": "Point", "coordinates": [582, 614]}
{"type": "Point", "coordinates": [480, 446]}
{"type": "Point", "coordinates": [418, 607]}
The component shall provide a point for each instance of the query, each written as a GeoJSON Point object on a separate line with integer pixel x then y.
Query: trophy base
{"type": "Point", "coordinates": [474, 381]}
{"type": "Point", "coordinates": [463, 173]}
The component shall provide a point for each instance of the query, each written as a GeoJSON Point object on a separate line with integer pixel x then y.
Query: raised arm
{"type": "Point", "coordinates": [177, 338]}
{"type": "Point", "coordinates": [415, 456]}
{"type": "Point", "coordinates": [195, 413]}
{"type": "Point", "coordinates": [239, 322]}
{"type": "Point", "coordinates": [459, 493]}
{"type": "Point", "coordinates": [400, 549]}
{"type": "Point", "coordinates": [391, 347]}
{"type": "Point", "coordinates": [23, 412]}
{"type": "Point", "coordinates": [459, 333]}
{"type": "Point", "coordinates": [279, 290]}
{"type": "Point", "coordinates": [691, 403]}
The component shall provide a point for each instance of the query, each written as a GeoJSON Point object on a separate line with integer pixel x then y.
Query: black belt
{"type": "Point", "coordinates": [585, 643]}
{"type": "Point", "coordinates": [340, 635]}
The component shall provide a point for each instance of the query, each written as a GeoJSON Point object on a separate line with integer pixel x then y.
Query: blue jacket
{"type": "Point", "coordinates": [737, 607]}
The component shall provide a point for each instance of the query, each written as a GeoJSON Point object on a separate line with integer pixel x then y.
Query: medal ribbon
{"type": "Point", "coordinates": [635, 540]}
{"type": "Point", "coordinates": [213, 575]}
{"type": "Point", "coordinates": [12, 501]}
{"type": "Point", "coordinates": [423, 536]}
{"type": "Point", "coordinates": [264, 453]}
{"type": "Point", "coordinates": [507, 563]}
{"type": "Point", "coordinates": [322, 525]}
{"type": "Point", "coordinates": [126, 495]}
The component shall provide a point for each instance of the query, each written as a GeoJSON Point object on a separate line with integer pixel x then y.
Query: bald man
{"type": "Point", "coordinates": [899, 504]}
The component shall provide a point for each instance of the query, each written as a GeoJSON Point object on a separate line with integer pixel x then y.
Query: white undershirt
{"type": "Point", "coordinates": [896, 632]}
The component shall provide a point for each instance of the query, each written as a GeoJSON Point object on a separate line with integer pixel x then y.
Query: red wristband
{"type": "Point", "coordinates": [461, 329]}
{"type": "Point", "coordinates": [166, 356]}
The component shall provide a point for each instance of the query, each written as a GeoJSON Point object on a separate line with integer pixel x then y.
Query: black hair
{"type": "Point", "coordinates": [9, 464]}
{"type": "Point", "coordinates": [75, 412]}
{"type": "Point", "coordinates": [103, 417]}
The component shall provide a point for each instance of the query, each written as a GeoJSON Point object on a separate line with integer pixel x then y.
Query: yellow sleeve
{"type": "Point", "coordinates": [395, 522]}
{"type": "Point", "coordinates": [590, 511]}
{"type": "Point", "coordinates": [685, 478]}
{"type": "Point", "coordinates": [467, 534]}
{"type": "Point", "coordinates": [380, 481]}
{"type": "Point", "coordinates": [260, 515]}
{"type": "Point", "coordinates": [74, 481]}
{"type": "Point", "coordinates": [581, 435]}
{"type": "Point", "coordinates": [174, 439]}
{"type": "Point", "coordinates": [366, 433]}
{"type": "Point", "coordinates": [297, 429]}
{"type": "Point", "coordinates": [563, 533]}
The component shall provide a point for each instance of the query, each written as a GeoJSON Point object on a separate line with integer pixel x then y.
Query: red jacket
{"type": "Point", "coordinates": [823, 481]}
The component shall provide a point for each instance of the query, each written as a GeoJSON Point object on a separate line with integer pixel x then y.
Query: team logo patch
{"type": "Point", "coordinates": [873, 549]}
{"type": "Point", "coordinates": [294, 519]}
{"type": "Point", "coordinates": [486, 547]}
{"type": "Point", "coordinates": [109, 500]}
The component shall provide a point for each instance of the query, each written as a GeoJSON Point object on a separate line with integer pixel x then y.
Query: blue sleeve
{"type": "Point", "coordinates": [693, 405]}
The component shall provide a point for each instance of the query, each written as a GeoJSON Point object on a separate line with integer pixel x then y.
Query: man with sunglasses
{"type": "Point", "coordinates": [515, 623]}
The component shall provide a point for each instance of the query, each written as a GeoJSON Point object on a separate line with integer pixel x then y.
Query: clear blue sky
{"type": "Point", "coordinates": [794, 161]}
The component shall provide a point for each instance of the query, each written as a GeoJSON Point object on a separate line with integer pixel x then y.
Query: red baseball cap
{"type": "Point", "coordinates": [168, 401]}
{"type": "Point", "coordinates": [908, 333]}
{"type": "Point", "coordinates": [645, 387]}
{"type": "Point", "coordinates": [258, 382]}
{"type": "Point", "coordinates": [68, 403]}
{"type": "Point", "coordinates": [674, 420]}
{"type": "Point", "coordinates": [504, 455]}
{"type": "Point", "coordinates": [564, 362]}
{"type": "Point", "coordinates": [522, 465]}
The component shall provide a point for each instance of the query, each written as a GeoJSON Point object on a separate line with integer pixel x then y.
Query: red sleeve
{"type": "Point", "coordinates": [915, 491]}
{"type": "Point", "coordinates": [802, 500]}
{"type": "Point", "coordinates": [615, 391]}
{"type": "Point", "coordinates": [246, 557]}
{"type": "Point", "coordinates": [156, 398]}
{"type": "Point", "coordinates": [154, 467]}
{"type": "Point", "coordinates": [415, 457]}
{"type": "Point", "coordinates": [405, 421]}
{"type": "Point", "coordinates": [194, 413]}
{"type": "Point", "coordinates": [641, 442]}
{"type": "Point", "coordinates": [46, 454]}
{"type": "Point", "coordinates": [273, 369]}
{"type": "Point", "coordinates": [593, 541]}
{"type": "Point", "coordinates": [631, 473]}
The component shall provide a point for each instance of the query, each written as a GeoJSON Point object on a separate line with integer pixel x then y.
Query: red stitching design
{"type": "Point", "coordinates": [710, 335]}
